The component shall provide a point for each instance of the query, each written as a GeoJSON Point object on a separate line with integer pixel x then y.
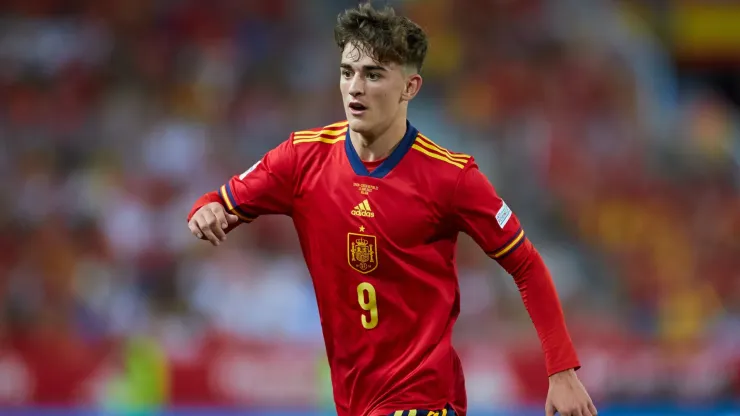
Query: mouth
{"type": "Point", "coordinates": [356, 108]}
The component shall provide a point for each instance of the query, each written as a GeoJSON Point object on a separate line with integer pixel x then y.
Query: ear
{"type": "Point", "coordinates": [412, 87]}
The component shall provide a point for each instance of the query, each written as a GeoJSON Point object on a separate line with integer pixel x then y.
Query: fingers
{"type": "Point", "coordinates": [216, 223]}
{"type": "Point", "coordinates": [193, 226]}
{"type": "Point", "coordinates": [210, 223]}
{"type": "Point", "coordinates": [549, 409]}
{"type": "Point", "coordinates": [221, 219]}
{"type": "Point", "coordinates": [224, 217]}
{"type": "Point", "coordinates": [231, 218]}
{"type": "Point", "coordinates": [585, 410]}
{"type": "Point", "coordinates": [206, 224]}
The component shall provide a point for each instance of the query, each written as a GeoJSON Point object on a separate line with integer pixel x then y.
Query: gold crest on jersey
{"type": "Point", "coordinates": [362, 252]}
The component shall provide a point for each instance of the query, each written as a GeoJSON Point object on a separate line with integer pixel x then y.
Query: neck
{"type": "Point", "coordinates": [378, 145]}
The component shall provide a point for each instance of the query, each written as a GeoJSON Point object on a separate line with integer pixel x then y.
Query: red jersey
{"type": "Point", "coordinates": [380, 247]}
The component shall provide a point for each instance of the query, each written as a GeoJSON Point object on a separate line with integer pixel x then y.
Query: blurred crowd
{"type": "Point", "coordinates": [116, 115]}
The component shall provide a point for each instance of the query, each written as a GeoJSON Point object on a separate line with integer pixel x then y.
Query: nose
{"type": "Point", "coordinates": [356, 86]}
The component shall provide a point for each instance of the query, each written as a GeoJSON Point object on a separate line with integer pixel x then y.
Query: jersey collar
{"type": "Point", "coordinates": [389, 163]}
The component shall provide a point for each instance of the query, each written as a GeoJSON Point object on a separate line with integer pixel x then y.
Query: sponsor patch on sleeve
{"type": "Point", "coordinates": [503, 215]}
{"type": "Point", "coordinates": [248, 171]}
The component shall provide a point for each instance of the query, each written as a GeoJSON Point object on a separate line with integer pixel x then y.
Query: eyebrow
{"type": "Point", "coordinates": [365, 67]}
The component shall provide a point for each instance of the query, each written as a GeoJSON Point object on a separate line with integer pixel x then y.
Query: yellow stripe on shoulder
{"type": "Point", "coordinates": [426, 142]}
{"type": "Point", "coordinates": [343, 123]}
{"type": "Point", "coordinates": [330, 134]}
{"type": "Point", "coordinates": [331, 127]}
{"type": "Point", "coordinates": [320, 139]}
{"type": "Point", "coordinates": [437, 156]}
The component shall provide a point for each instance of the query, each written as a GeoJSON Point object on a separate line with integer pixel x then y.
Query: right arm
{"type": "Point", "coordinates": [265, 188]}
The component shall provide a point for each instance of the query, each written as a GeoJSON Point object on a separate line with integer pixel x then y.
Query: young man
{"type": "Point", "coordinates": [378, 207]}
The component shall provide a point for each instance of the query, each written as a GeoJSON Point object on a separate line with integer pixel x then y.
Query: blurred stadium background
{"type": "Point", "coordinates": [611, 128]}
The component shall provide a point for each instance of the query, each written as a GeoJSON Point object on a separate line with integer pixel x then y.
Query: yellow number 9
{"type": "Point", "coordinates": [371, 305]}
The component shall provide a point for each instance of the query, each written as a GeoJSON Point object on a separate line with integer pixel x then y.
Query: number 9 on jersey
{"type": "Point", "coordinates": [369, 302]}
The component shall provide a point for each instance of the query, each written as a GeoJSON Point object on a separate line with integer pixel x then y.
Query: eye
{"type": "Point", "coordinates": [346, 73]}
{"type": "Point", "coordinates": [373, 76]}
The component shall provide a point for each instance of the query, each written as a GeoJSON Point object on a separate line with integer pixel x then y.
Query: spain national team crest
{"type": "Point", "coordinates": [362, 252]}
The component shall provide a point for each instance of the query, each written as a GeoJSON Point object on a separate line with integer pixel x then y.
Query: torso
{"type": "Point", "coordinates": [382, 259]}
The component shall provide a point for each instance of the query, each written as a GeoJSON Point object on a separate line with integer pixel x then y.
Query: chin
{"type": "Point", "coordinates": [359, 126]}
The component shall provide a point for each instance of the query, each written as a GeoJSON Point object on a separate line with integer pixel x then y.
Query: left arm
{"type": "Point", "coordinates": [481, 213]}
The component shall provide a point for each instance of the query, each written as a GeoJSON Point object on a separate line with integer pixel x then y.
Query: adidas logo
{"type": "Point", "coordinates": [363, 210]}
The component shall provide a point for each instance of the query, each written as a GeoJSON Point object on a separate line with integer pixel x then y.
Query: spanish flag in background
{"type": "Point", "coordinates": [705, 31]}
{"type": "Point", "coordinates": [695, 31]}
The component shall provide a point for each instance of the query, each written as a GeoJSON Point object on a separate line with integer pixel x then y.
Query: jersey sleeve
{"type": "Point", "coordinates": [483, 215]}
{"type": "Point", "coordinates": [479, 212]}
{"type": "Point", "coordinates": [265, 188]}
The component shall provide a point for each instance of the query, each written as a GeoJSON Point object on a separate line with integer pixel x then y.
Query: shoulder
{"type": "Point", "coordinates": [305, 146]}
{"type": "Point", "coordinates": [313, 146]}
{"type": "Point", "coordinates": [319, 136]}
{"type": "Point", "coordinates": [440, 160]}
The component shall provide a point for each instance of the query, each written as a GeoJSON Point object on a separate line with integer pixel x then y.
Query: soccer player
{"type": "Point", "coordinates": [378, 207]}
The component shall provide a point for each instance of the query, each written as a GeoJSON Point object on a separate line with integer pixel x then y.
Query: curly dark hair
{"type": "Point", "coordinates": [382, 34]}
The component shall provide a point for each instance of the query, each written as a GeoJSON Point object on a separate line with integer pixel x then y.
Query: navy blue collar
{"type": "Point", "coordinates": [389, 163]}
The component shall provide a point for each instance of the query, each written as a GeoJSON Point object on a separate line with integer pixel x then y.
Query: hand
{"type": "Point", "coordinates": [210, 223]}
{"type": "Point", "coordinates": [567, 396]}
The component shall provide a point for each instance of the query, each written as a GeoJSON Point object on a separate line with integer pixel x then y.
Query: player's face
{"type": "Point", "coordinates": [374, 94]}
